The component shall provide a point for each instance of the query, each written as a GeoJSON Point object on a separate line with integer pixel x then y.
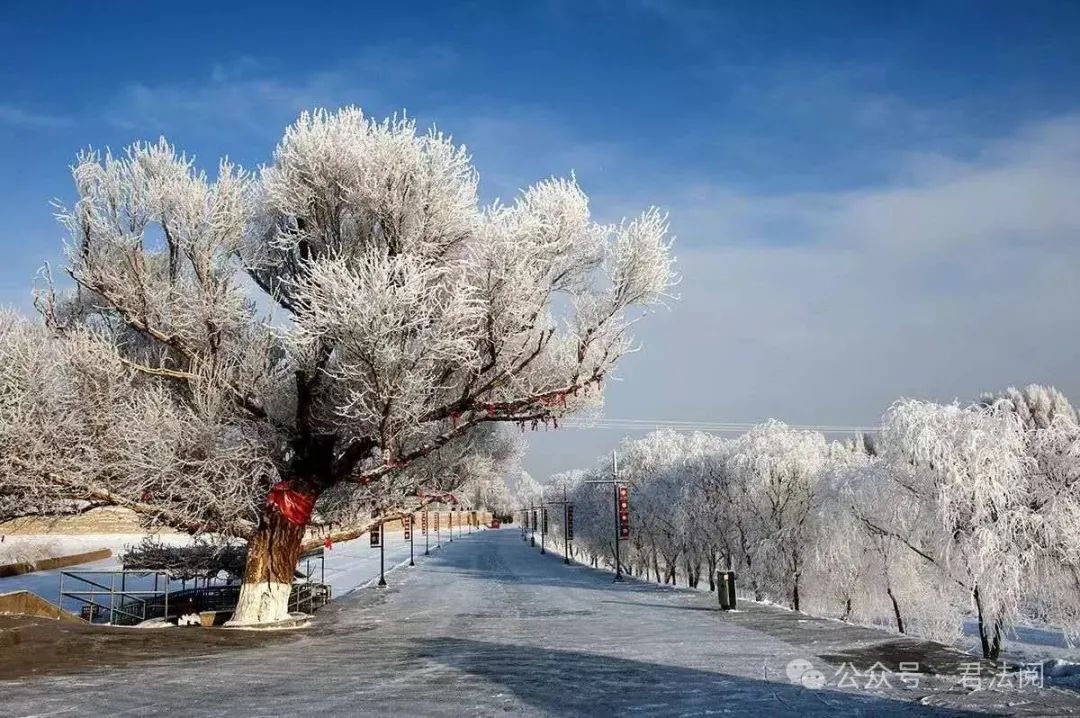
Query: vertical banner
{"type": "Point", "coordinates": [532, 519]}
{"type": "Point", "coordinates": [376, 536]}
{"type": "Point", "coordinates": [543, 520]}
{"type": "Point", "coordinates": [624, 512]}
{"type": "Point", "coordinates": [437, 520]}
{"type": "Point", "coordinates": [569, 522]}
{"type": "Point", "coordinates": [407, 524]}
{"type": "Point", "coordinates": [423, 524]}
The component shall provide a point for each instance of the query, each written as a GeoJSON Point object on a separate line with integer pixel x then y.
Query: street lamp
{"type": "Point", "coordinates": [410, 529]}
{"type": "Point", "coordinates": [382, 555]}
{"type": "Point", "coordinates": [565, 524]}
{"type": "Point", "coordinates": [622, 529]}
{"type": "Point", "coordinates": [426, 525]}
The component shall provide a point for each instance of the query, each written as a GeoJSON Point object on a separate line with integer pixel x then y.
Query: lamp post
{"type": "Point", "coordinates": [532, 525]}
{"type": "Point", "coordinates": [410, 530]}
{"type": "Point", "coordinates": [621, 531]}
{"type": "Point", "coordinates": [565, 524]}
{"type": "Point", "coordinates": [382, 554]}
{"type": "Point", "coordinates": [426, 526]}
{"type": "Point", "coordinates": [543, 528]}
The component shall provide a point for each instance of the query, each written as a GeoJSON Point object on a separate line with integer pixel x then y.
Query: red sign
{"type": "Point", "coordinates": [407, 523]}
{"type": "Point", "coordinates": [623, 493]}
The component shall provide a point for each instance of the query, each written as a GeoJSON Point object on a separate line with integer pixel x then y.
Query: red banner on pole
{"type": "Point", "coordinates": [624, 512]}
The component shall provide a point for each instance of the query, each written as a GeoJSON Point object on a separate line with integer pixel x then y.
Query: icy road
{"type": "Point", "coordinates": [487, 626]}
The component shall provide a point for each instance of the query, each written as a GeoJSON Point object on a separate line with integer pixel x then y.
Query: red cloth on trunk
{"type": "Point", "coordinates": [295, 506]}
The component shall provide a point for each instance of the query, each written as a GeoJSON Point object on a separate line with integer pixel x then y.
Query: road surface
{"type": "Point", "coordinates": [487, 626]}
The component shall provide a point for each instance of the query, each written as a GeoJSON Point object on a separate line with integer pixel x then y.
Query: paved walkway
{"type": "Point", "coordinates": [487, 626]}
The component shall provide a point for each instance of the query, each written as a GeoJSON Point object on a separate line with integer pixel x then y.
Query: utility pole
{"type": "Point", "coordinates": [543, 525]}
{"type": "Point", "coordinates": [382, 554]}
{"type": "Point", "coordinates": [565, 524]}
{"type": "Point", "coordinates": [566, 510]}
{"type": "Point", "coordinates": [411, 527]}
{"type": "Point", "coordinates": [426, 525]}
{"type": "Point", "coordinates": [620, 530]}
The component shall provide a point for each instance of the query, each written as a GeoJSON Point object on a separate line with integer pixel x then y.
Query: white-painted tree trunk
{"type": "Point", "coordinates": [272, 555]}
{"type": "Point", "coordinates": [260, 603]}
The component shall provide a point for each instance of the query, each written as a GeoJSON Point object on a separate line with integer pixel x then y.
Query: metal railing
{"type": "Point", "coordinates": [132, 606]}
{"type": "Point", "coordinates": [114, 603]}
{"type": "Point", "coordinates": [308, 597]}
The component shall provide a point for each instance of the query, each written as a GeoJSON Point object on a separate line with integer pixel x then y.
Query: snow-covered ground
{"type": "Point", "coordinates": [1023, 644]}
{"type": "Point", "coordinates": [353, 564]}
{"type": "Point", "coordinates": [486, 626]}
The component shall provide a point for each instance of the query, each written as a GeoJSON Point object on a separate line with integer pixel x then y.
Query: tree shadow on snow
{"type": "Point", "coordinates": [574, 683]}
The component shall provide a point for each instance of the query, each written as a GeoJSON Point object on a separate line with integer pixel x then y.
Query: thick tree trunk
{"type": "Point", "coordinates": [271, 560]}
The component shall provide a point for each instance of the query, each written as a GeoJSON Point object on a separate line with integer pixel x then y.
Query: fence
{"type": "Point", "coordinates": [115, 601]}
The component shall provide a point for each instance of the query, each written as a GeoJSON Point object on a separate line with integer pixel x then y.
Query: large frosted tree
{"type": "Point", "coordinates": [260, 341]}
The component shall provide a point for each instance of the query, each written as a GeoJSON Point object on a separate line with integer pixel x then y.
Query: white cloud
{"type": "Point", "coordinates": [248, 98]}
{"type": "Point", "coordinates": [11, 115]}
{"type": "Point", "coordinates": [953, 275]}
{"type": "Point", "coordinates": [958, 276]}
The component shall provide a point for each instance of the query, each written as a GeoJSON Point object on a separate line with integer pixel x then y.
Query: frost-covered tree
{"type": "Point", "coordinates": [1051, 499]}
{"type": "Point", "coordinates": [960, 472]}
{"type": "Point", "coordinates": [777, 469]}
{"type": "Point", "coordinates": [405, 315]}
{"type": "Point", "coordinates": [1037, 406]}
{"type": "Point", "coordinates": [950, 512]}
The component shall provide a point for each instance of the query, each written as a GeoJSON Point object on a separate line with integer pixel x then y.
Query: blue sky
{"type": "Point", "coordinates": [870, 201]}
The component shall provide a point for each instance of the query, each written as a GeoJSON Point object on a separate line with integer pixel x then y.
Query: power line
{"type": "Point", "coordinates": [706, 426]}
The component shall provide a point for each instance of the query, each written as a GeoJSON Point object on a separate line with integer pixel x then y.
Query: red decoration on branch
{"type": "Point", "coordinates": [294, 506]}
{"type": "Point", "coordinates": [454, 416]}
{"type": "Point", "coordinates": [328, 544]}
